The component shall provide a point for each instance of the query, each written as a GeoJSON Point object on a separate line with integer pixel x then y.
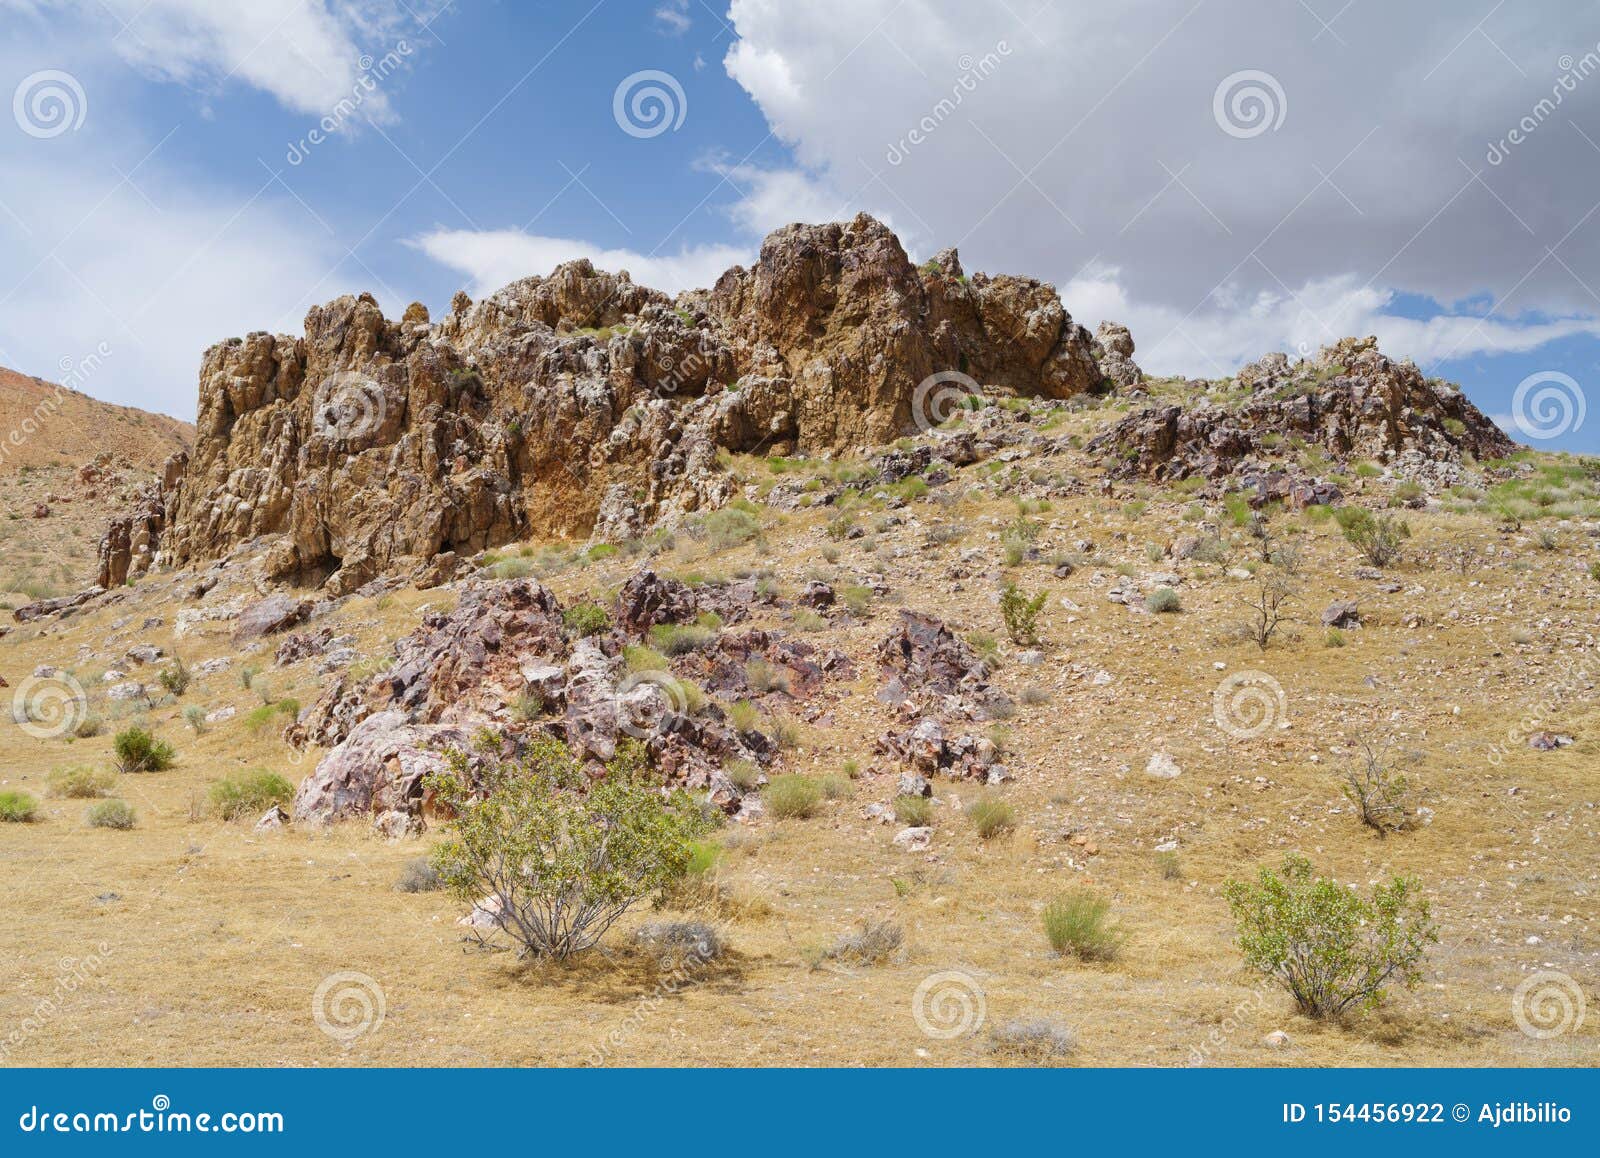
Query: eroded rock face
{"type": "Point", "coordinates": [927, 670]}
{"type": "Point", "coordinates": [1350, 400]}
{"type": "Point", "coordinates": [574, 403]}
{"type": "Point", "coordinates": [377, 771]}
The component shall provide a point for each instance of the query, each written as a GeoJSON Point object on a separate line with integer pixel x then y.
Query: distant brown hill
{"type": "Point", "coordinates": [42, 424]}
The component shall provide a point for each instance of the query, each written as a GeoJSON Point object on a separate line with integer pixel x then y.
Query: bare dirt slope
{"type": "Point", "coordinates": [43, 424]}
{"type": "Point", "coordinates": [195, 939]}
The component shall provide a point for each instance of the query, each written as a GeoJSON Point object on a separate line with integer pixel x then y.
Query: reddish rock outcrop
{"type": "Point", "coordinates": [576, 402]}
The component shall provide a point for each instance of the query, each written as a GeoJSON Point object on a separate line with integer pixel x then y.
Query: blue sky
{"type": "Point", "coordinates": [480, 141]}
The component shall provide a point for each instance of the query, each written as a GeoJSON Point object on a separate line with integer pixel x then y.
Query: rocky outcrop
{"type": "Point", "coordinates": [504, 659]}
{"type": "Point", "coordinates": [575, 403]}
{"type": "Point", "coordinates": [1350, 400]}
{"type": "Point", "coordinates": [926, 669]}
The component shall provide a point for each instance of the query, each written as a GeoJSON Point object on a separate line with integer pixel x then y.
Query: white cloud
{"type": "Point", "coordinates": [1090, 141]}
{"type": "Point", "coordinates": [492, 258]}
{"type": "Point", "coordinates": [307, 54]}
{"type": "Point", "coordinates": [672, 17]}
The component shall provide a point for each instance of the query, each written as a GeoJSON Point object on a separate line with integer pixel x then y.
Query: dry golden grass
{"type": "Point", "coordinates": [218, 937]}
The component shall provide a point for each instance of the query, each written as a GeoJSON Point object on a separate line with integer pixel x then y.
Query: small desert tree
{"type": "Point", "coordinates": [1383, 795]}
{"type": "Point", "coordinates": [1377, 537]}
{"type": "Point", "coordinates": [560, 856]}
{"type": "Point", "coordinates": [1332, 949]}
{"type": "Point", "coordinates": [1266, 610]}
{"type": "Point", "coordinates": [1021, 614]}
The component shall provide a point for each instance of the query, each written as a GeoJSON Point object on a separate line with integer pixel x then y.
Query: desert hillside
{"type": "Point", "coordinates": [72, 428]}
{"type": "Point", "coordinates": [983, 688]}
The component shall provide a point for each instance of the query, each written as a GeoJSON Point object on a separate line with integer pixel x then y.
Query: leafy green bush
{"type": "Point", "coordinates": [585, 619]}
{"type": "Point", "coordinates": [1377, 537]}
{"type": "Point", "coordinates": [1021, 614]}
{"type": "Point", "coordinates": [792, 796]}
{"type": "Point", "coordinates": [1079, 924]}
{"type": "Point", "coordinates": [136, 750]}
{"type": "Point", "coordinates": [563, 857]}
{"type": "Point", "coordinates": [110, 814]}
{"type": "Point", "coordinates": [247, 793]}
{"type": "Point", "coordinates": [195, 716]}
{"type": "Point", "coordinates": [17, 807]}
{"type": "Point", "coordinates": [1332, 949]}
{"type": "Point", "coordinates": [82, 782]}
{"type": "Point", "coordinates": [1163, 601]}
{"type": "Point", "coordinates": [991, 817]}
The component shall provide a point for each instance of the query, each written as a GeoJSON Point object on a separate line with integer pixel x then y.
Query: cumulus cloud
{"type": "Point", "coordinates": [492, 258]}
{"type": "Point", "coordinates": [307, 54]}
{"type": "Point", "coordinates": [1227, 179]}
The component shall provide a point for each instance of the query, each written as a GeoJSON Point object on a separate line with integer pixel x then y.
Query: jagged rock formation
{"type": "Point", "coordinates": [577, 402]}
{"type": "Point", "coordinates": [1349, 399]}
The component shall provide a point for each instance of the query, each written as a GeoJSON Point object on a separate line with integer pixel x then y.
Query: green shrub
{"type": "Point", "coordinates": [561, 855]}
{"type": "Point", "coordinates": [17, 807]}
{"type": "Point", "coordinates": [247, 793]}
{"type": "Point", "coordinates": [418, 876]}
{"type": "Point", "coordinates": [261, 718]}
{"type": "Point", "coordinates": [1079, 924]}
{"type": "Point", "coordinates": [991, 817]}
{"type": "Point", "coordinates": [916, 811]}
{"type": "Point", "coordinates": [730, 528]}
{"type": "Point", "coordinates": [1021, 614]}
{"type": "Point", "coordinates": [764, 677]}
{"type": "Point", "coordinates": [1377, 537]}
{"type": "Point", "coordinates": [807, 620]}
{"type": "Point", "coordinates": [175, 677]}
{"type": "Point", "coordinates": [195, 716]}
{"type": "Point", "coordinates": [745, 774]}
{"type": "Point", "coordinates": [1332, 949]}
{"type": "Point", "coordinates": [792, 796]}
{"type": "Point", "coordinates": [136, 750]}
{"type": "Point", "coordinates": [857, 598]}
{"type": "Point", "coordinates": [82, 782]}
{"type": "Point", "coordinates": [89, 725]}
{"type": "Point", "coordinates": [683, 638]}
{"type": "Point", "coordinates": [640, 657]}
{"type": "Point", "coordinates": [1163, 601]}
{"type": "Point", "coordinates": [585, 619]}
{"type": "Point", "coordinates": [744, 716]}
{"type": "Point", "coordinates": [110, 814]}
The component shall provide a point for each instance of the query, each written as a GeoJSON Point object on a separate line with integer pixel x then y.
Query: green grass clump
{"type": "Point", "coordinates": [792, 796]}
{"type": "Point", "coordinates": [83, 782]}
{"type": "Point", "coordinates": [17, 807]}
{"type": "Point", "coordinates": [917, 811]}
{"type": "Point", "coordinates": [245, 793]}
{"type": "Point", "coordinates": [992, 817]}
{"type": "Point", "coordinates": [585, 619]}
{"type": "Point", "coordinates": [1163, 601]}
{"type": "Point", "coordinates": [1078, 924]}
